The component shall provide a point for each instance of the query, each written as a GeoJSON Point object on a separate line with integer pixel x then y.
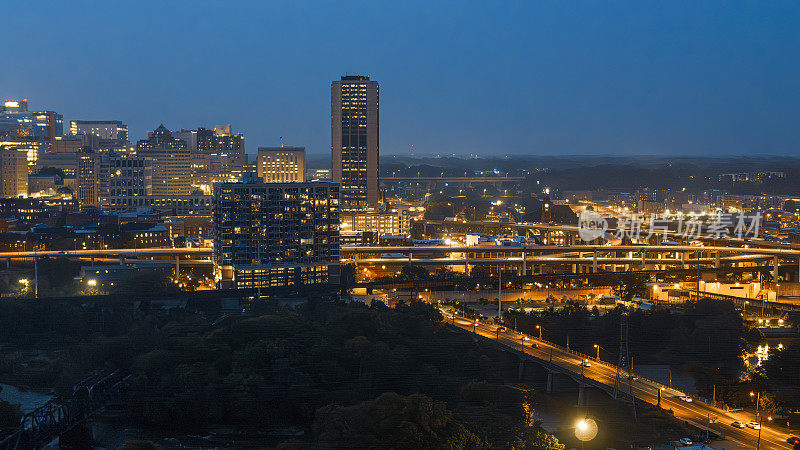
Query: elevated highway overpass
{"type": "Point", "coordinates": [604, 376]}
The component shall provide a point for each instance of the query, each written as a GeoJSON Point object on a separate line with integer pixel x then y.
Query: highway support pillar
{"type": "Point", "coordinates": [121, 260]}
{"type": "Point", "coordinates": [549, 386]}
{"type": "Point", "coordinates": [594, 262]}
{"type": "Point", "coordinates": [177, 266]}
{"type": "Point", "coordinates": [581, 394]}
{"type": "Point", "coordinates": [92, 260]}
{"type": "Point", "coordinates": [775, 272]}
{"type": "Point", "coordinates": [521, 370]}
{"type": "Point", "coordinates": [8, 263]}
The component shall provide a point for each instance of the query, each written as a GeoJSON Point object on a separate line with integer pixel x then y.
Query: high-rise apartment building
{"type": "Point", "coordinates": [354, 140]}
{"type": "Point", "coordinates": [276, 234]}
{"type": "Point", "coordinates": [281, 164]}
{"type": "Point", "coordinates": [13, 172]}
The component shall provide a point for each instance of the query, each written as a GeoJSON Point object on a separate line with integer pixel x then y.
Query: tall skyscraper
{"type": "Point", "coordinates": [354, 140]}
{"type": "Point", "coordinates": [281, 164]}
{"type": "Point", "coordinates": [276, 234]}
{"type": "Point", "coordinates": [13, 172]}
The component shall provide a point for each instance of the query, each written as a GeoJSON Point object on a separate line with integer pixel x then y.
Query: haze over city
{"type": "Point", "coordinates": [547, 78]}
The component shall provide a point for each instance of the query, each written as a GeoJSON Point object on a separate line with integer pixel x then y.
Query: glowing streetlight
{"type": "Point", "coordinates": [585, 429]}
{"type": "Point", "coordinates": [92, 282]}
{"type": "Point", "coordinates": [598, 351]}
{"type": "Point", "coordinates": [538, 327]}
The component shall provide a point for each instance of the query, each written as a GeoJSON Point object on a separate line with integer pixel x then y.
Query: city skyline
{"type": "Point", "coordinates": [606, 78]}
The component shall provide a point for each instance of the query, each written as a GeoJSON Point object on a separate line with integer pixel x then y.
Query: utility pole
{"type": "Point", "coordinates": [624, 361]}
{"type": "Point", "coordinates": [35, 275]}
{"type": "Point", "coordinates": [698, 276]}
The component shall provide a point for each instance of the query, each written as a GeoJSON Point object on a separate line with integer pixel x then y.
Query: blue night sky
{"type": "Point", "coordinates": [555, 77]}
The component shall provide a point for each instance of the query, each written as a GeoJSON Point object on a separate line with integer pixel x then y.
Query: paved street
{"type": "Point", "coordinates": [696, 412]}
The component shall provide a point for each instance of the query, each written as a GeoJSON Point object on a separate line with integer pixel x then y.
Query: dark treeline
{"type": "Point", "coordinates": [612, 173]}
{"type": "Point", "coordinates": [347, 374]}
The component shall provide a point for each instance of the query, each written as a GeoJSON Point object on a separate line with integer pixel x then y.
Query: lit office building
{"type": "Point", "coordinates": [129, 180]}
{"type": "Point", "coordinates": [188, 136]}
{"type": "Point", "coordinates": [88, 178]}
{"type": "Point", "coordinates": [396, 221]}
{"type": "Point", "coordinates": [13, 172]}
{"type": "Point", "coordinates": [160, 137]}
{"type": "Point", "coordinates": [354, 140]}
{"type": "Point", "coordinates": [66, 162]}
{"type": "Point", "coordinates": [74, 144]}
{"type": "Point", "coordinates": [276, 234]}
{"type": "Point", "coordinates": [20, 125]}
{"type": "Point", "coordinates": [172, 171]}
{"type": "Point", "coordinates": [34, 132]}
{"type": "Point", "coordinates": [221, 141]}
{"type": "Point", "coordinates": [318, 174]}
{"type": "Point", "coordinates": [281, 164]}
{"type": "Point", "coordinates": [103, 129]}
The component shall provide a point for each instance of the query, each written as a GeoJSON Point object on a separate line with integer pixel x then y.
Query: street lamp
{"type": "Point", "coordinates": [539, 327]}
{"type": "Point", "coordinates": [598, 351]}
{"type": "Point", "coordinates": [92, 282]}
{"type": "Point", "coordinates": [585, 430]}
{"type": "Point", "coordinates": [758, 400]}
{"type": "Point", "coordinates": [758, 442]}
